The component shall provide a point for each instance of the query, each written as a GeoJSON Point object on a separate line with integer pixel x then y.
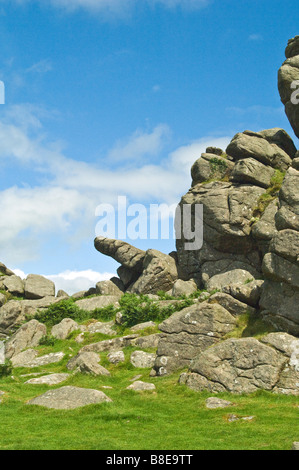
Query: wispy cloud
{"type": "Point", "coordinates": [141, 144]}
{"type": "Point", "coordinates": [255, 37]}
{"type": "Point", "coordinates": [121, 7]}
{"type": "Point", "coordinates": [41, 67]}
{"type": "Point", "coordinates": [66, 192]}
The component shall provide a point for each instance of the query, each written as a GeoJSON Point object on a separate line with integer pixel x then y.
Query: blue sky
{"type": "Point", "coordinates": [120, 97]}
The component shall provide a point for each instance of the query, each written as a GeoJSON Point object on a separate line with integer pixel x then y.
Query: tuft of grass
{"type": "Point", "coordinates": [249, 325]}
{"type": "Point", "coordinates": [270, 195]}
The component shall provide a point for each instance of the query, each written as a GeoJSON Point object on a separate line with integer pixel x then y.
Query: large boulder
{"type": "Point", "coordinates": [124, 253]}
{"type": "Point", "coordinates": [188, 332]}
{"type": "Point", "coordinates": [69, 398]}
{"type": "Point", "coordinates": [14, 285]}
{"type": "Point", "coordinates": [159, 274]}
{"type": "Point", "coordinates": [64, 328]}
{"type": "Point", "coordinates": [99, 301]}
{"type": "Point", "coordinates": [28, 336]}
{"type": "Point", "coordinates": [210, 166]}
{"type": "Point", "coordinates": [288, 77]}
{"type": "Point", "coordinates": [14, 312]}
{"type": "Point", "coordinates": [255, 146]}
{"type": "Point", "coordinates": [37, 287]}
{"type": "Point", "coordinates": [236, 366]}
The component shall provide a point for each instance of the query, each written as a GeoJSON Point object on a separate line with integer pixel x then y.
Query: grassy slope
{"type": "Point", "coordinates": [172, 418]}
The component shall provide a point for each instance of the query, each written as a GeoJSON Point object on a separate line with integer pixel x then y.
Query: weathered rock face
{"type": "Point", "coordinates": [246, 365]}
{"type": "Point", "coordinates": [28, 336]}
{"type": "Point", "coordinates": [288, 75]}
{"type": "Point", "coordinates": [159, 273]}
{"type": "Point", "coordinates": [37, 287]}
{"type": "Point", "coordinates": [125, 254]}
{"type": "Point", "coordinates": [280, 293]}
{"type": "Point", "coordinates": [188, 332]}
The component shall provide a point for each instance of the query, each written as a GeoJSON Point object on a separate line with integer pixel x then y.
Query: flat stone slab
{"type": "Point", "coordinates": [52, 379]}
{"type": "Point", "coordinates": [140, 386]}
{"type": "Point", "coordinates": [69, 398]}
{"type": "Point", "coordinates": [213, 403]}
{"type": "Point", "coordinates": [42, 360]}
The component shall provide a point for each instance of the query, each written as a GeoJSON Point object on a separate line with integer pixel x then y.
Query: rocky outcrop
{"type": "Point", "coordinates": [246, 365]}
{"type": "Point", "coordinates": [37, 287]}
{"type": "Point", "coordinates": [288, 83]}
{"type": "Point", "coordinates": [28, 336]}
{"type": "Point", "coordinates": [280, 293]}
{"type": "Point", "coordinates": [185, 334]}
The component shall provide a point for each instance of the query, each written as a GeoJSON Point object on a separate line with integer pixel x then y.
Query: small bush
{"type": "Point", "coordinates": [139, 309]}
{"type": "Point", "coordinates": [58, 311]}
{"type": "Point", "coordinates": [48, 340]}
{"type": "Point", "coordinates": [5, 369]}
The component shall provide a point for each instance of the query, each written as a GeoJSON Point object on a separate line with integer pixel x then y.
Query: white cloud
{"type": "Point", "coordinates": [121, 7]}
{"type": "Point", "coordinates": [63, 201]}
{"type": "Point", "coordinates": [73, 281]}
{"type": "Point", "coordinates": [255, 37]}
{"type": "Point", "coordinates": [141, 144]}
{"type": "Point", "coordinates": [41, 67]}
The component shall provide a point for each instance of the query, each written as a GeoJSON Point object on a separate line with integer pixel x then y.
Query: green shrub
{"type": "Point", "coordinates": [48, 340]}
{"type": "Point", "coordinates": [139, 309]}
{"type": "Point", "coordinates": [5, 369]}
{"type": "Point", "coordinates": [58, 311]}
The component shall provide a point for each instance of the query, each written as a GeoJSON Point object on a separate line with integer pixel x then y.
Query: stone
{"type": "Point", "coordinates": [233, 306]}
{"type": "Point", "coordinates": [2, 352]}
{"type": "Point", "coordinates": [147, 342]}
{"type": "Point", "coordinates": [62, 293]}
{"type": "Point", "coordinates": [69, 398]}
{"type": "Point", "coordinates": [210, 166]}
{"type": "Point", "coordinates": [143, 326]}
{"type": "Point", "coordinates": [142, 360]}
{"type": "Point", "coordinates": [64, 328]}
{"type": "Point", "coordinates": [28, 336]}
{"type": "Point", "coordinates": [295, 446]}
{"type": "Point", "coordinates": [189, 332]}
{"type": "Point", "coordinates": [115, 357]}
{"type": "Point", "coordinates": [104, 328]}
{"type": "Point", "coordinates": [110, 344]}
{"type": "Point", "coordinates": [16, 311]}
{"type": "Point", "coordinates": [213, 403]}
{"type": "Point", "coordinates": [2, 299]}
{"type": "Point", "coordinates": [4, 270]}
{"type": "Point", "coordinates": [159, 274]}
{"type": "Point", "coordinates": [236, 366]}
{"type": "Point", "coordinates": [249, 293]}
{"type": "Point", "coordinates": [284, 343]}
{"type": "Point", "coordinates": [253, 145]}
{"type": "Point", "coordinates": [80, 294]}
{"type": "Point", "coordinates": [233, 277]}
{"type": "Point", "coordinates": [287, 75]}
{"type": "Point", "coordinates": [281, 138]}
{"type": "Point", "coordinates": [88, 363]}
{"type": "Point", "coordinates": [51, 358]}
{"type": "Point", "coordinates": [124, 253]}
{"type": "Point", "coordinates": [100, 301]}
{"type": "Point", "coordinates": [24, 358]}
{"type": "Point", "coordinates": [228, 210]}
{"type": "Point", "coordinates": [140, 386]}
{"type": "Point", "coordinates": [250, 170]}
{"type": "Point", "coordinates": [108, 288]}
{"type": "Point", "coordinates": [181, 287]}
{"type": "Point", "coordinates": [14, 285]}
{"type": "Point", "coordinates": [37, 287]}
{"type": "Point", "coordinates": [51, 379]}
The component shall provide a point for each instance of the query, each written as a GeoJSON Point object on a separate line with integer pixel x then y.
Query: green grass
{"type": "Point", "coordinates": [172, 418]}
